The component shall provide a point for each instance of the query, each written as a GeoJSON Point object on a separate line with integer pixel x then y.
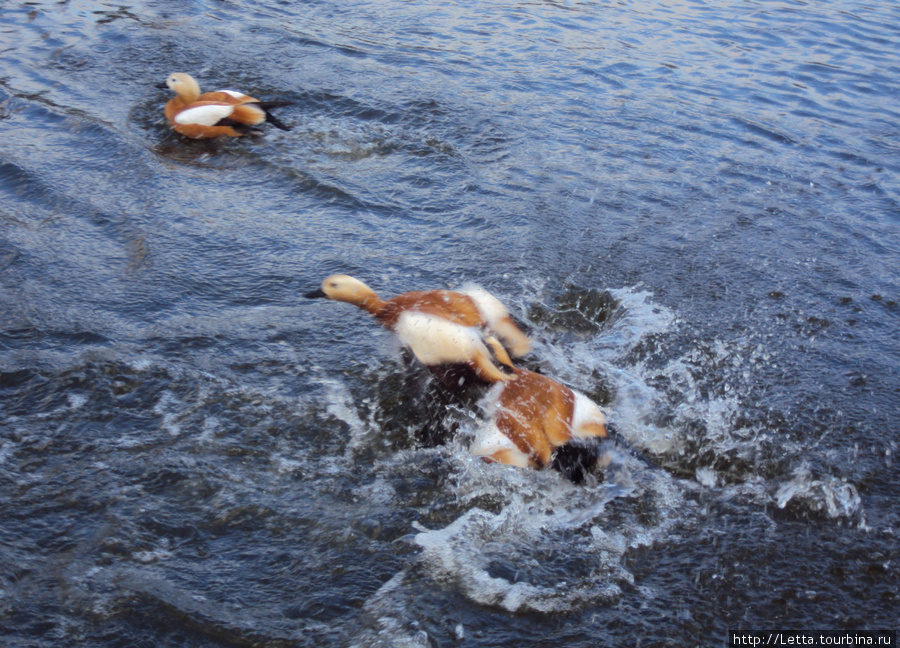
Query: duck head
{"type": "Point", "coordinates": [344, 288]}
{"type": "Point", "coordinates": [183, 85]}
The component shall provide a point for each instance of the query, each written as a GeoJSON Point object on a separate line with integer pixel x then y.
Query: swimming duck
{"type": "Point", "coordinates": [214, 114]}
{"type": "Point", "coordinates": [536, 422]}
{"type": "Point", "coordinates": [442, 328]}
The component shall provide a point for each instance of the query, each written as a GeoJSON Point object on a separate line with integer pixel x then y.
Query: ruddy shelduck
{"type": "Point", "coordinates": [214, 114]}
{"type": "Point", "coordinates": [536, 421]}
{"type": "Point", "coordinates": [442, 328]}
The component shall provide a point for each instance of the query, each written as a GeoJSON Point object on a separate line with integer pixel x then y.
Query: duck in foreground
{"type": "Point", "coordinates": [215, 114]}
{"type": "Point", "coordinates": [444, 329]}
{"type": "Point", "coordinates": [537, 422]}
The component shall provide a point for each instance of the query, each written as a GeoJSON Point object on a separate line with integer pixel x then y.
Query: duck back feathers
{"type": "Point", "coordinates": [537, 415]}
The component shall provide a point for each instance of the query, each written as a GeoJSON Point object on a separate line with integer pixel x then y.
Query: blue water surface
{"type": "Point", "coordinates": [693, 207]}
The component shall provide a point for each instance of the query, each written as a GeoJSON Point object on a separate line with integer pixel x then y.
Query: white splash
{"type": "Point", "coordinates": [165, 408]}
{"type": "Point", "coordinates": [831, 495]}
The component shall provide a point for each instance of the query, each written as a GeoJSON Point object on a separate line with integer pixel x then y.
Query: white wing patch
{"type": "Point", "coordinates": [489, 440]}
{"type": "Point", "coordinates": [235, 94]}
{"type": "Point", "coordinates": [497, 316]}
{"type": "Point", "coordinates": [586, 411]}
{"type": "Point", "coordinates": [491, 308]}
{"type": "Point", "coordinates": [436, 341]}
{"type": "Point", "coordinates": [204, 115]}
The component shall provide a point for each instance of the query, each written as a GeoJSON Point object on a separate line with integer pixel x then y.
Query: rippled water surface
{"type": "Point", "coordinates": [694, 208]}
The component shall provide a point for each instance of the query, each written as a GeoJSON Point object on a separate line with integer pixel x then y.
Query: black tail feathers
{"type": "Point", "coordinates": [240, 127]}
{"type": "Point", "coordinates": [272, 119]}
{"type": "Point", "coordinates": [576, 458]}
{"type": "Point", "coordinates": [278, 103]}
{"type": "Point", "coordinates": [580, 456]}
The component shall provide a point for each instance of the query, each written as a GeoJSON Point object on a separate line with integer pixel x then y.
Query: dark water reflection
{"type": "Point", "coordinates": [694, 208]}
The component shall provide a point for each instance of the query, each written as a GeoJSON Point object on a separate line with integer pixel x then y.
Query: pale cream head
{"type": "Point", "coordinates": [345, 288]}
{"type": "Point", "coordinates": [183, 85]}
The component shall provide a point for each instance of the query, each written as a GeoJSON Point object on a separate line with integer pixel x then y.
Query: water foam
{"type": "Point", "coordinates": [461, 554]}
{"type": "Point", "coordinates": [340, 403]}
{"type": "Point", "coordinates": [829, 495]}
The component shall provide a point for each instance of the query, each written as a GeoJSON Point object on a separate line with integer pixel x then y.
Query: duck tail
{"type": "Point", "coordinates": [277, 103]}
{"type": "Point", "coordinates": [578, 457]}
{"type": "Point", "coordinates": [272, 119]}
{"type": "Point", "coordinates": [239, 127]}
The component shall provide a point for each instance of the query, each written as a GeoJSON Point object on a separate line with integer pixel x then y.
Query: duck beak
{"type": "Point", "coordinates": [315, 294]}
{"type": "Point", "coordinates": [161, 86]}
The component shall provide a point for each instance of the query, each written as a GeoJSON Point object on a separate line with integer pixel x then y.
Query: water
{"type": "Point", "coordinates": [693, 206]}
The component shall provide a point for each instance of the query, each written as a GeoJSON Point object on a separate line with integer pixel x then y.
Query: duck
{"type": "Point", "coordinates": [536, 422]}
{"type": "Point", "coordinates": [444, 329]}
{"type": "Point", "coordinates": [226, 113]}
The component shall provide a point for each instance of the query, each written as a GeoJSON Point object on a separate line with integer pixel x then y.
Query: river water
{"type": "Point", "coordinates": [694, 207]}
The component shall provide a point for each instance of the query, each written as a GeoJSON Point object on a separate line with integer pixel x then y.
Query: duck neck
{"type": "Point", "coordinates": [189, 91]}
{"type": "Point", "coordinates": [374, 305]}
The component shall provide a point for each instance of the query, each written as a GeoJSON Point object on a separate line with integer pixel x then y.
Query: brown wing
{"type": "Point", "coordinates": [446, 304]}
{"type": "Point", "coordinates": [535, 413]}
{"type": "Point", "coordinates": [224, 97]}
